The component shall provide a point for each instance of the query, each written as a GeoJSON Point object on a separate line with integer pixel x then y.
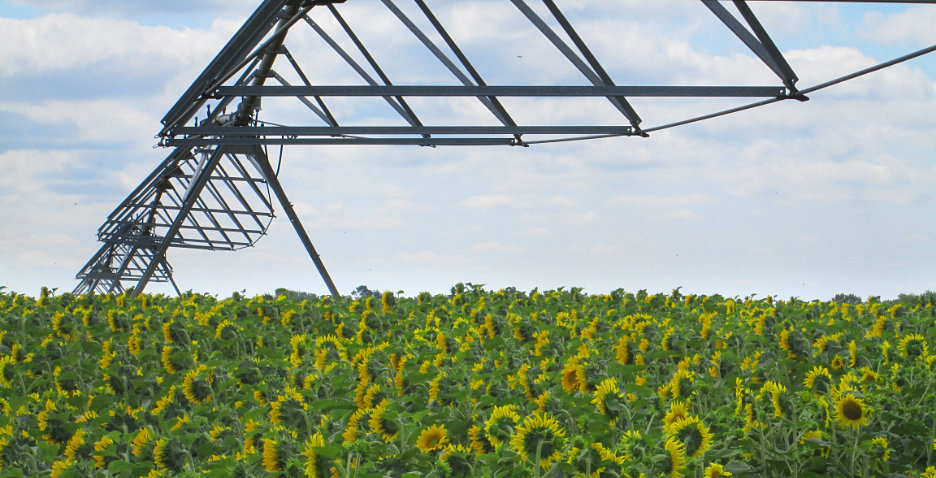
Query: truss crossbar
{"type": "Point", "coordinates": [490, 91]}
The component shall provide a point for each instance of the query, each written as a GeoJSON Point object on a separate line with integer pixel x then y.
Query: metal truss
{"type": "Point", "coordinates": [215, 189]}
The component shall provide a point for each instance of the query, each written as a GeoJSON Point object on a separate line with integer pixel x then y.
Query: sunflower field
{"type": "Point", "coordinates": [473, 383]}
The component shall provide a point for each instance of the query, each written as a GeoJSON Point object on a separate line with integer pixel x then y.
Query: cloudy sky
{"type": "Point", "coordinates": [794, 199]}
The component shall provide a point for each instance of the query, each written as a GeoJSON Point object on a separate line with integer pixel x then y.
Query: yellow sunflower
{"type": "Point", "coordinates": [166, 358]}
{"type": "Point", "coordinates": [197, 387]}
{"type": "Point", "coordinates": [838, 362]}
{"type": "Point", "coordinates": [433, 438]}
{"type": "Point", "coordinates": [458, 459]}
{"type": "Point", "coordinates": [74, 444]}
{"type": "Point", "coordinates": [351, 432]}
{"type": "Point", "coordinates": [140, 440]}
{"type": "Point", "coordinates": [776, 391]}
{"type": "Point", "coordinates": [819, 380]}
{"type": "Point", "coordinates": [572, 376]}
{"type": "Point", "coordinates": [271, 459]}
{"type": "Point", "coordinates": [224, 330]}
{"type": "Point", "coordinates": [134, 343]}
{"type": "Point", "coordinates": [159, 452]}
{"type": "Point", "coordinates": [681, 384]}
{"type": "Point", "coordinates": [679, 410]}
{"type": "Point", "coordinates": [100, 461]}
{"type": "Point", "coordinates": [622, 351]}
{"type": "Point", "coordinates": [6, 370]}
{"type": "Point", "coordinates": [676, 459]}
{"type": "Point", "coordinates": [851, 411]}
{"type": "Point", "coordinates": [913, 346]}
{"type": "Point", "coordinates": [59, 467]}
{"type": "Point", "coordinates": [715, 471]}
{"type": "Point", "coordinates": [608, 399]}
{"type": "Point", "coordinates": [693, 434]}
{"type": "Point", "coordinates": [381, 424]}
{"type": "Point", "coordinates": [479, 443]}
{"type": "Point", "coordinates": [542, 434]}
{"type": "Point", "coordinates": [880, 449]}
{"type": "Point", "coordinates": [315, 466]}
{"type": "Point", "coordinates": [500, 425]}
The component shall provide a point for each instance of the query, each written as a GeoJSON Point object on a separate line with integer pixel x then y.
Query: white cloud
{"type": "Point", "coordinates": [95, 121]}
{"type": "Point", "coordinates": [489, 201]}
{"type": "Point", "coordinates": [61, 41]}
{"type": "Point", "coordinates": [669, 201]}
{"type": "Point", "coordinates": [181, 7]}
{"type": "Point", "coordinates": [915, 24]}
{"type": "Point", "coordinates": [495, 247]}
{"type": "Point", "coordinates": [761, 195]}
{"type": "Point", "coordinates": [826, 63]}
{"type": "Point", "coordinates": [45, 227]}
{"type": "Point", "coordinates": [431, 259]}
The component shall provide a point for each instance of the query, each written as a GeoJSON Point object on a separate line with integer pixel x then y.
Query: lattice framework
{"type": "Point", "coordinates": [215, 189]}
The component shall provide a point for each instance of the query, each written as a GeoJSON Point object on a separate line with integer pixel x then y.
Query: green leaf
{"type": "Point", "coordinates": [119, 466]}
{"type": "Point", "coordinates": [327, 405]}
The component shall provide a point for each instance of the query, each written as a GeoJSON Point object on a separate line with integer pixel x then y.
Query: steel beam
{"type": "Point", "coordinates": [198, 183]}
{"type": "Point", "coordinates": [619, 102]}
{"type": "Point", "coordinates": [489, 91]}
{"type": "Point", "coordinates": [226, 62]}
{"type": "Point", "coordinates": [273, 181]}
{"type": "Point", "coordinates": [350, 140]}
{"type": "Point", "coordinates": [395, 130]}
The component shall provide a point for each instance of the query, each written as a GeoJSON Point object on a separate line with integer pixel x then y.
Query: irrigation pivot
{"type": "Point", "coordinates": [217, 187]}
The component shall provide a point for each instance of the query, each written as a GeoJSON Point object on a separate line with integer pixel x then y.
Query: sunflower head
{"type": "Point", "coordinates": [316, 466]}
{"type": "Point", "coordinates": [169, 454]}
{"type": "Point", "coordinates": [819, 380]}
{"type": "Point", "coordinates": [715, 471]}
{"type": "Point", "coordinates": [675, 459]}
{"type": "Point", "coordinates": [681, 384]}
{"type": "Point", "coordinates": [573, 375]}
{"type": "Point", "coordinates": [693, 434]}
{"type": "Point", "coordinates": [272, 461]}
{"type": "Point", "coordinates": [678, 410]}
{"type": "Point", "coordinates": [196, 386]}
{"type": "Point", "coordinates": [500, 425]}
{"type": "Point", "coordinates": [880, 451]}
{"type": "Point", "coordinates": [851, 411]}
{"type": "Point", "coordinates": [609, 400]}
{"type": "Point", "coordinates": [913, 346]}
{"type": "Point", "coordinates": [433, 438]}
{"type": "Point", "coordinates": [479, 443]}
{"type": "Point", "coordinates": [539, 437]}
{"type": "Point", "coordinates": [381, 422]}
{"type": "Point", "coordinates": [458, 458]}
{"type": "Point", "coordinates": [7, 365]}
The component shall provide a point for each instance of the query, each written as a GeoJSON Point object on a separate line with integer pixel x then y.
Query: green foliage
{"type": "Point", "coordinates": [473, 383]}
{"type": "Point", "coordinates": [850, 299]}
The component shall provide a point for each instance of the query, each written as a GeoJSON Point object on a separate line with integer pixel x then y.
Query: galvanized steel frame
{"type": "Point", "coordinates": [222, 200]}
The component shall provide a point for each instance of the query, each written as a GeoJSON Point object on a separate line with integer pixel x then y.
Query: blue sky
{"type": "Point", "coordinates": [796, 199]}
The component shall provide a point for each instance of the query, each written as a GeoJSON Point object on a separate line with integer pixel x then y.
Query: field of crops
{"type": "Point", "coordinates": [474, 383]}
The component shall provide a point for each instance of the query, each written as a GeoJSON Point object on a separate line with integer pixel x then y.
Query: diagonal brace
{"type": "Point", "coordinates": [270, 175]}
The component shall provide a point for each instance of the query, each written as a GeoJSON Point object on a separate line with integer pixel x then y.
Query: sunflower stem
{"type": "Point", "coordinates": [536, 466]}
{"type": "Point", "coordinates": [854, 452]}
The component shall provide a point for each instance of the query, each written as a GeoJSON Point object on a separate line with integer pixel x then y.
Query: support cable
{"type": "Point", "coordinates": [811, 89]}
